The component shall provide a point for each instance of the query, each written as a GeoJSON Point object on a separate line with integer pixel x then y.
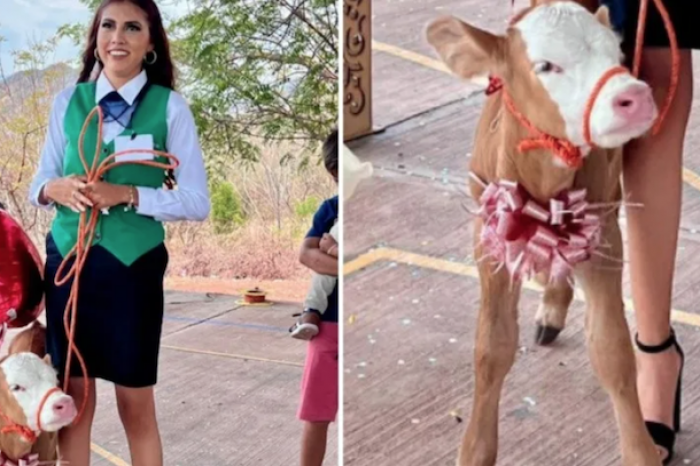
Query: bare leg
{"type": "Point", "coordinates": [496, 344]}
{"type": "Point", "coordinates": [74, 440]}
{"type": "Point", "coordinates": [611, 353]}
{"type": "Point", "coordinates": [313, 444]}
{"type": "Point", "coordinates": [653, 177]}
{"type": "Point", "coordinates": [137, 410]}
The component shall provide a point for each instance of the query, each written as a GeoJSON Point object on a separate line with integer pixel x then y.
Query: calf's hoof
{"type": "Point", "coordinates": [545, 334]}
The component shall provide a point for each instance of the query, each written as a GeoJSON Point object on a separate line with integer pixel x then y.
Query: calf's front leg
{"type": "Point", "coordinates": [551, 315]}
{"type": "Point", "coordinates": [46, 446]}
{"type": "Point", "coordinates": [611, 352]}
{"type": "Point", "coordinates": [496, 345]}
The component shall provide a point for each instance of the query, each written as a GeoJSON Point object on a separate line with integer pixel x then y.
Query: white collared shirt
{"type": "Point", "coordinates": [190, 201]}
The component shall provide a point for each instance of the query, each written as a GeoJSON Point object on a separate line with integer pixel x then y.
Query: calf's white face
{"type": "Point", "coordinates": [570, 51]}
{"type": "Point", "coordinates": [29, 378]}
{"type": "Point", "coordinates": [563, 49]}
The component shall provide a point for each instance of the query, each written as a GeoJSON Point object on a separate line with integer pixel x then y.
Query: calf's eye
{"type": "Point", "coordinates": [546, 67]}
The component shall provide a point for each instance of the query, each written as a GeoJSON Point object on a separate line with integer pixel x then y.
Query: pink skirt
{"type": "Point", "coordinates": [319, 384]}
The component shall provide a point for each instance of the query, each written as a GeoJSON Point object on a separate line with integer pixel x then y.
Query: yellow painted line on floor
{"type": "Point", "coordinates": [689, 176]}
{"type": "Point", "coordinates": [410, 56]}
{"type": "Point", "coordinates": [442, 265]}
{"type": "Point", "coordinates": [108, 456]}
{"type": "Point", "coordinates": [692, 178]}
{"type": "Point", "coordinates": [365, 260]}
{"type": "Point", "coordinates": [231, 355]}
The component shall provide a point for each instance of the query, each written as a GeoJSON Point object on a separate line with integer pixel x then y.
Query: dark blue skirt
{"type": "Point", "coordinates": [684, 16]}
{"type": "Point", "coordinates": [119, 316]}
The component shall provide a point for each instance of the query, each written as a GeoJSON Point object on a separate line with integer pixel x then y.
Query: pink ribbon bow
{"type": "Point", "coordinates": [529, 238]}
{"type": "Point", "coordinates": [29, 460]}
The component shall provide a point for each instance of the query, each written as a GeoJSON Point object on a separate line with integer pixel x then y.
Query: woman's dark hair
{"type": "Point", "coordinates": [162, 72]}
{"type": "Point", "coordinates": [330, 152]}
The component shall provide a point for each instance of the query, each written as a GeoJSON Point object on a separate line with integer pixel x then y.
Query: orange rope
{"type": "Point", "coordinates": [570, 154]}
{"type": "Point", "coordinates": [41, 406]}
{"type": "Point", "coordinates": [591, 101]}
{"type": "Point", "coordinates": [675, 56]}
{"type": "Point", "coordinates": [13, 427]}
{"type": "Point", "coordinates": [565, 150]}
{"type": "Point", "coordinates": [86, 234]}
{"type": "Point", "coordinates": [28, 434]}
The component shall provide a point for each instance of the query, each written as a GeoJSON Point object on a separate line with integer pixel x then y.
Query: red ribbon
{"type": "Point", "coordinates": [31, 459]}
{"type": "Point", "coordinates": [528, 238]}
{"type": "Point", "coordinates": [495, 85]}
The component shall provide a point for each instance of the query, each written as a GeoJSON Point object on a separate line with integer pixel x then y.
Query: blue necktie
{"type": "Point", "coordinates": [115, 108]}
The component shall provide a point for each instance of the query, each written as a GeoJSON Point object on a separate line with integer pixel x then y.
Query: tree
{"type": "Point", "coordinates": [226, 208]}
{"type": "Point", "coordinates": [25, 102]}
{"type": "Point", "coordinates": [256, 70]}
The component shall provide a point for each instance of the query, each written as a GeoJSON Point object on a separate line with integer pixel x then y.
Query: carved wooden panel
{"type": "Point", "coordinates": [357, 65]}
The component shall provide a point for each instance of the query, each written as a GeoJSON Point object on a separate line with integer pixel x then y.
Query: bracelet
{"type": "Point", "coordinates": [130, 205]}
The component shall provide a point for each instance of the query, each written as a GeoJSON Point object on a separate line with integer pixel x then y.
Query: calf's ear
{"type": "Point", "coordinates": [47, 359]}
{"type": "Point", "coordinates": [603, 16]}
{"type": "Point", "coordinates": [469, 52]}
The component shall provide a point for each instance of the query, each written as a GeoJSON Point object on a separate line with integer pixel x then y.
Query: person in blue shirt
{"type": "Point", "coordinates": [319, 387]}
{"type": "Point", "coordinates": [322, 285]}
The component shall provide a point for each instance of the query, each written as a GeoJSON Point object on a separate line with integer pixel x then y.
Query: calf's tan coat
{"type": "Point", "coordinates": [496, 158]}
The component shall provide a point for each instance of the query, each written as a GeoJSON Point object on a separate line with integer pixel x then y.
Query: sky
{"type": "Point", "coordinates": [23, 22]}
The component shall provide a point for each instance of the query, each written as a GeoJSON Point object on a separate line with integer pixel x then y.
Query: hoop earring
{"type": "Point", "coordinates": [150, 62]}
{"type": "Point", "coordinates": [97, 56]}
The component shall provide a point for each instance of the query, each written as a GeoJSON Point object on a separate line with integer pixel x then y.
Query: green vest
{"type": "Point", "coordinates": [125, 234]}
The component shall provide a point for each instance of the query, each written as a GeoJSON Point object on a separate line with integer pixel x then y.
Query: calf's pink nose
{"type": "Point", "coordinates": [64, 407]}
{"type": "Point", "coordinates": [635, 103]}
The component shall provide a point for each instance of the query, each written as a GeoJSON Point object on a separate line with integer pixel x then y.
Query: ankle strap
{"type": "Point", "coordinates": [658, 348]}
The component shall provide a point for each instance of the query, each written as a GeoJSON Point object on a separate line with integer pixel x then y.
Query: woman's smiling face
{"type": "Point", "coordinates": [123, 39]}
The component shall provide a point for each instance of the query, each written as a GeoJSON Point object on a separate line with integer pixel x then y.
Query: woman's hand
{"type": "Point", "coordinates": [105, 195]}
{"type": "Point", "coordinates": [68, 191]}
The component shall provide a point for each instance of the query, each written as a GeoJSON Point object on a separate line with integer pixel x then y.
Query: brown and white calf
{"type": "Point", "coordinates": [32, 406]}
{"type": "Point", "coordinates": [553, 59]}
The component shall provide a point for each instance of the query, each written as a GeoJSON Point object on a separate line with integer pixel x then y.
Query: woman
{"type": "Point", "coordinates": [653, 177]}
{"type": "Point", "coordinates": [127, 70]}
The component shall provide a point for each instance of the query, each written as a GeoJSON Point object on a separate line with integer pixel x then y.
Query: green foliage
{"type": "Point", "coordinates": [264, 68]}
{"type": "Point", "coordinates": [226, 208]}
{"type": "Point", "coordinates": [254, 69]}
{"type": "Point", "coordinates": [307, 207]}
{"type": "Point", "coordinates": [74, 32]}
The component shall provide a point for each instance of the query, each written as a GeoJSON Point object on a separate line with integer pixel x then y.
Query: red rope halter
{"type": "Point", "coordinates": [564, 149]}
{"type": "Point", "coordinates": [25, 431]}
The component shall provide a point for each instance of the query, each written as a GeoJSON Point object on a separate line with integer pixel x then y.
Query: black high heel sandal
{"type": "Point", "coordinates": [662, 434]}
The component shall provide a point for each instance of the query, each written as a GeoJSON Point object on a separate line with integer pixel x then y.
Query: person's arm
{"type": "Point", "coordinates": [315, 259]}
{"type": "Point", "coordinates": [51, 158]}
{"type": "Point", "coordinates": [190, 201]}
{"type": "Point", "coordinates": [328, 244]}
